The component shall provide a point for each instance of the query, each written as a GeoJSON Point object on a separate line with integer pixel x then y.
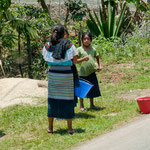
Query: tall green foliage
{"type": "Point", "coordinates": [76, 10]}
{"type": "Point", "coordinates": [4, 5]}
{"type": "Point", "coordinates": [29, 19]}
{"type": "Point", "coordinates": [5, 16]}
{"type": "Point", "coordinates": [111, 25]}
{"type": "Point", "coordinates": [132, 47]}
{"type": "Point", "coordinates": [25, 27]}
{"type": "Point", "coordinates": [4, 13]}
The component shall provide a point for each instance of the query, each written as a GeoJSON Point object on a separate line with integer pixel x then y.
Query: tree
{"type": "Point", "coordinates": [5, 17]}
{"type": "Point", "coordinates": [104, 9]}
{"type": "Point", "coordinates": [5, 14]}
{"type": "Point", "coordinates": [4, 5]}
{"type": "Point", "coordinates": [44, 6]}
{"type": "Point", "coordinates": [76, 10]}
{"type": "Point", "coordinates": [24, 27]}
{"type": "Point", "coordinates": [141, 8]}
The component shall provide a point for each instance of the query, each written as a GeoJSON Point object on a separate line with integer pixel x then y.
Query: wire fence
{"type": "Point", "coordinates": [56, 7]}
{"type": "Point", "coordinates": [91, 3]}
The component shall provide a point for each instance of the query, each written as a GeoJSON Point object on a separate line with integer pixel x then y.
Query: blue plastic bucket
{"type": "Point", "coordinates": [83, 89]}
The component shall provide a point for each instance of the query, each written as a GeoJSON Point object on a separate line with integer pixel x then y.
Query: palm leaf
{"type": "Point", "coordinates": [104, 24]}
{"type": "Point", "coordinates": [99, 23]}
{"type": "Point", "coordinates": [120, 20]}
{"type": "Point", "coordinates": [93, 22]}
{"type": "Point", "coordinates": [92, 27]}
{"type": "Point", "coordinates": [31, 31]}
{"type": "Point", "coordinates": [113, 22]}
{"type": "Point", "coordinates": [109, 18]}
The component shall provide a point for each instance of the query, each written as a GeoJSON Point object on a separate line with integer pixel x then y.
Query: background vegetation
{"type": "Point", "coordinates": [25, 28]}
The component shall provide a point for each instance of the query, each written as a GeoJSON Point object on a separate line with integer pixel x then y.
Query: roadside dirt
{"type": "Point", "coordinates": [20, 91]}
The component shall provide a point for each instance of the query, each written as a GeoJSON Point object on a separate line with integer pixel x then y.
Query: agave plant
{"type": "Point", "coordinates": [109, 26]}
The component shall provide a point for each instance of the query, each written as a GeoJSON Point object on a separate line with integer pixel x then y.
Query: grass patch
{"type": "Point", "coordinates": [24, 127]}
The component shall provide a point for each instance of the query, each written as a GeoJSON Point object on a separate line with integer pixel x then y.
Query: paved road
{"type": "Point", "coordinates": [134, 136]}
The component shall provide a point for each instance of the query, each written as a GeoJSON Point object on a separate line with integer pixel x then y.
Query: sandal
{"type": "Point", "coordinates": [83, 109]}
{"type": "Point", "coordinates": [49, 131]}
{"type": "Point", "coordinates": [95, 108]}
{"type": "Point", "coordinates": [71, 131]}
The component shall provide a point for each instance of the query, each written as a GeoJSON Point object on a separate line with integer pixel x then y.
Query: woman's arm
{"type": "Point", "coordinates": [99, 64]}
{"type": "Point", "coordinates": [79, 60]}
{"type": "Point", "coordinates": [74, 60]}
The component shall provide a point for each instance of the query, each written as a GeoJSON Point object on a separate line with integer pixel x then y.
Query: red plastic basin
{"type": "Point", "coordinates": [144, 104]}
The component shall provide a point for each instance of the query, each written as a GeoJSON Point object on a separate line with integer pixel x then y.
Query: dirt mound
{"type": "Point", "coordinates": [20, 90]}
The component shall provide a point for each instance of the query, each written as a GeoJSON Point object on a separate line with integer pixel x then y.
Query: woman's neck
{"type": "Point", "coordinates": [87, 47]}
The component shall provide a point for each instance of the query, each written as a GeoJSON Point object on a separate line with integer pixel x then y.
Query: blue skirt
{"type": "Point", "coordinates": [95, 91]}
{"type": "Point", "coordinates": [61, 99]}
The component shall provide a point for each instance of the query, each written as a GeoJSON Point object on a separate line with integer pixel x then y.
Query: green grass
{"type": "Point", "coordinates": [24, 127]}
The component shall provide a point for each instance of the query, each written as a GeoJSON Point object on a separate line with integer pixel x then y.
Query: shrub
{"type": "Point", "coordinates": [130, 47]}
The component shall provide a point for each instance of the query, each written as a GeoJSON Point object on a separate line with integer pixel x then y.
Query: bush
{"type": "Point", "coordinates": [40, 68]}
{"type": "Point", "coordinates": [43, 24]}
{"type": "Point", "coordinates": [130, 47]}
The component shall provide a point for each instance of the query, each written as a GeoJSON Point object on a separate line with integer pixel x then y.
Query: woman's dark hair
{"type": "Point", "coordinates": [86, 33]}
{"type": "Point", "coordinates": [58, 33]}
{"type": "Point", "coordinates": [66, 30]}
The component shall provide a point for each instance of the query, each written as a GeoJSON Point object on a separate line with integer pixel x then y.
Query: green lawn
{"type": "Point", "coordinates": [24, 127]}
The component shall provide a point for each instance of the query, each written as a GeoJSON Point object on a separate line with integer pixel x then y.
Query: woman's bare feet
{"type": "Point", "coordinates": [71, 131]}
{"type": "Point", "coordinates": [83, 109]}
{"type": "Point", "coordinates": [50, 130]}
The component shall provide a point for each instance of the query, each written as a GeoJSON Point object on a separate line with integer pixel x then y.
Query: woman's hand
{"type": "Point", "coordinates": [86, 58]}
{"type": "Point", "coordinates": [99, 64]}
{"type": "Point", "coordinates": [99, 69]}
{"type": "Point", "coordinates": [79, 60]}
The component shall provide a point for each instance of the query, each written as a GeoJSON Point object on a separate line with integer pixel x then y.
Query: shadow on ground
{"type": "Point", "coordinates": [83, 115]}
{"type": "Point", "coordinates": [2, 134]}
{"type": "Point", "coordinates": [65, 131]}
{"type": "Point", "coordinates": [100, 109]}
